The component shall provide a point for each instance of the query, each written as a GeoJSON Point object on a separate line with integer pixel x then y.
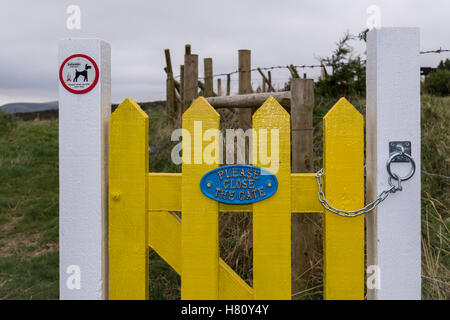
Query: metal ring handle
{"type": "Point", "coordinates": [395, 176]}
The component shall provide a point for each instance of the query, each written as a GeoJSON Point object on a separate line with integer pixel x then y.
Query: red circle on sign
{"type": "Point", "coordinates": [61, 79]}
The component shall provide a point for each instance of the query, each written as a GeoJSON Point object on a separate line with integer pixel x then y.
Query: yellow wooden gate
{"type": "Point", "coordinates": [140, 206]}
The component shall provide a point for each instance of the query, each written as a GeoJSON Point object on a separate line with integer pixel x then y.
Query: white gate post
{"type": "Point", "coordinates": [83, 173]}
{"type": "Point", "coordinates": [393, 114]}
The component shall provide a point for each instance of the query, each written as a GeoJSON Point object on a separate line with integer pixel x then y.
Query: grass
{"type": "Point", "coordinates": [29, 211]}
{"type": "Point", "coordinates": [435, 197]}
{"type": "Point", "coordinates": [29, 206]}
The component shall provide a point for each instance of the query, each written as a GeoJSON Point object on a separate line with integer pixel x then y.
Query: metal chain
{"type": "Point", "coordinates": [354, 213]}
{"type": "Point", "coordinates": [381, 197]}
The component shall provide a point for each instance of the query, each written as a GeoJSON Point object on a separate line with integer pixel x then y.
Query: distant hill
{"type": "Point", "coordinates": [27, 107]}
{"type": "Point", "coordinates": [145, 105]}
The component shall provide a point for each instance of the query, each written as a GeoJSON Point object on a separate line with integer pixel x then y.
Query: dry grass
{"type": "Point", "coordinates": [435, 249]}
{"type": "Point", "coordinates": [435, 197]}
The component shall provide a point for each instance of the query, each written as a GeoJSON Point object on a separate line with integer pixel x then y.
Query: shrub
{"type": "Point", "coordinates": [348, 72]}
{"type": "Point", "coordinates": [438, 82]}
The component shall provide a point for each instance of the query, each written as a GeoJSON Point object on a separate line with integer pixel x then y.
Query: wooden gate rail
{"type": "Point", "coordinates": [164, 194]}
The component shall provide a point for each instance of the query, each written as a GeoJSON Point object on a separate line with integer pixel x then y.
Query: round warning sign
{"type": "Point", "coordinates": [78, 73]}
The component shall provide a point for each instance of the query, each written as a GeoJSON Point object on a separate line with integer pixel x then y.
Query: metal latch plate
{"type": "Point", "coordinates": [395, 146]}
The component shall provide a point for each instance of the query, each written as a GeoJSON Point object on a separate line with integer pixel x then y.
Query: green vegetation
{"type": "Point", "coordinates": [435, 197]}
{"type": "Point", "coordinates": [438, 81]}
{"type": "Point", "coordinates": [29, 206]}
{"type": "Point", "coordinates": [7, 122]}
{"type": "Point", "coordinates": [29, 211]}
{"type": "Point", "coordinates": [348, 76]}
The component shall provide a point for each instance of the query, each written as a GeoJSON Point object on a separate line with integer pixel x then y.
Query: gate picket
{"type": "Point", "coordinates": [272, 217]}
{"type": "Point", "coordinates": [343, 134]}
{"type": "Point", "coordinates": [200, 215]}
{"type": "Point", "coordinates": [128, 190]}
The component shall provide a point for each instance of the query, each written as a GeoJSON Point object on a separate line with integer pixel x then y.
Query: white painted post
{"type": "Point", "coordinates": [83, 173]}
{"type": "Point", "coordinates": [393, 114]}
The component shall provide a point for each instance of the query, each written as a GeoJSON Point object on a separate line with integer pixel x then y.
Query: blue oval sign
{"type": "Point", "coordinates": [239, 184]}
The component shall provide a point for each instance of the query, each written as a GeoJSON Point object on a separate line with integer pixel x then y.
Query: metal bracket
{"type": "Point", "coordinates": [396, 146]}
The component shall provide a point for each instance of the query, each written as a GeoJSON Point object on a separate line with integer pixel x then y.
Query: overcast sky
{"type": "Point", "coordinates": [278, 33]}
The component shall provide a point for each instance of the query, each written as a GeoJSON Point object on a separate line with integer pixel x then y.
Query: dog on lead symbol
{"type": "Point", "coordinates": [83, 73]}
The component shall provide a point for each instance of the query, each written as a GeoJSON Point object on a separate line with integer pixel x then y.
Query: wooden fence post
{"type": "Point", "coordinates": [323, 72]}
{"type": "Point", "coordinates": [170, 90]}
{"type": "Point", "coordinates": [168, 61]}
{"type": "Point", "coordinates": [208, 66]}
{"type": "Point", "coordinates": [293, 71]}
{"type": "Point", "coordinates": [219, 87]}
{"type": "Point", "coordinates": [245, 86]}
{"type": "Point", "coordinates": [266, 81]}
{"type": "Point", "coordinates": [228, 84]}
{"type": "Point", "coordinates": [302, 104]}
{"type": "Point", "coordinates": [202, 87]}
{"type": "Point", "coordinates": [190, 89]}
{"type": "Point", "coordinates": [83, 176]}
{"type": "Point", "coordinates": [170, 99]}
{"type": "Point", "coordinates": [270, 79]}
{"type": "Point", "coordinates": [182, 83]}
{"type": "Point", "coordinates": [393, 114]}
{"type": "Point", "coordinates": [304, 225]}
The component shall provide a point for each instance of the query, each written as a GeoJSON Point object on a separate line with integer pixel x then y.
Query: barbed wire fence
{"type": "Point", "coordinates": [303, 66]}
{"type": "Point", "coordinates": [440, 50]}
{"type": "Point", "coordinates": [283, 81]}
{"type": "Point", "coordinates": [443, 176]}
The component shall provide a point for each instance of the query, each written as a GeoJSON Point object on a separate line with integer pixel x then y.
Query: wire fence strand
{"type": "Point", "coordinates": [435, 175]}
{"type": "Point", "coordinates": [302, 66]}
